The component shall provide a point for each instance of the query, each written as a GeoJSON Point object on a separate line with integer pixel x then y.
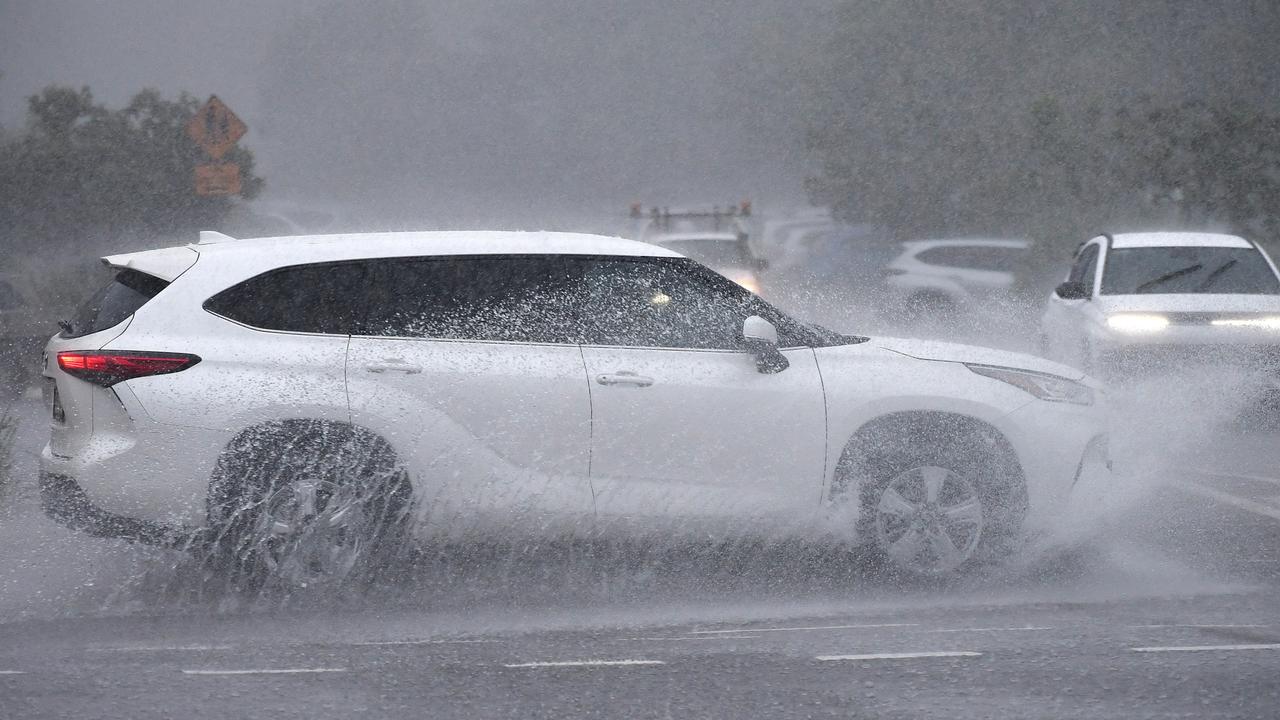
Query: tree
{"type": "Point", "coordinates": [1007, 117]}
{"type": "Point", "coordinates": [82, 171]}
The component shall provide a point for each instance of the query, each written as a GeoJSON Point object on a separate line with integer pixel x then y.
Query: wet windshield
{"type": "Point", "coordinates": [1181, 270]}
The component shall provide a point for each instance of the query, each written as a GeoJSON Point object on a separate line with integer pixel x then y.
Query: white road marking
{"type": "Point", "coordinates": [700, 637]}
{"type": "Point", "coordinates": [378, 643]}
{"type": "Point", "coordinates": [991, 629]}
{"type": "Point", "coordinates": [801, 629]}
{"type": "Point", "coordinates": [1229, 499]}
{"type": "Point", "coordinates": [160, 648]}
{"type": "Point", "coordinates": [584, 663]}
{"type": "Point", "coordinates": [1241, 476]}
{"type": "Point", "coordinates": [900, 656]}
{"type": "Point", "coordinates": [1202, 626]}
{"type": "Point", "coordinates": [13, 672]}
{"type": "Point", "coordinates": [1207, 648]}
{"type": "Point", "coordinates": [265, 671]}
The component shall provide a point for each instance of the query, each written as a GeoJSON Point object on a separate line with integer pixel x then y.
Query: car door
{"type": "Point", "coordinates": [1065, 320]}
{"type": "Point", "coordinates": [465, 365]}
{"type": "Point", "coordinates": [685, 429]}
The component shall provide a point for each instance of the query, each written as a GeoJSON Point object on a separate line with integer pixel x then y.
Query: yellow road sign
{"type": "Point", "coordinates": [215, 128]}
{"type": "Point", "coordinates": [218, 179]}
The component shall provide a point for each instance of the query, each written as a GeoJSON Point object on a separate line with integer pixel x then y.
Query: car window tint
{"type": "Point", "coordinates": [1151, 270]}
{"type": "Point", "coordinates": [1086, 265]}
{"type": "Point", "coordinates": [319, 298]}
{"type": "Point", "coordinates": [127, 291]}
{"type": "Point", "coordinates": [999, 259]}
{"type": "Point", "coordinates": [9, 297]}
{"type": "Point", "coordinates": [670, 304]}
{"type": "Point", "coordinates": [498, 298]}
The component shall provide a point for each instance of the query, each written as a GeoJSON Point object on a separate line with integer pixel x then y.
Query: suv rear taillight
{"type": "Point", "coordinates": [106, 368]}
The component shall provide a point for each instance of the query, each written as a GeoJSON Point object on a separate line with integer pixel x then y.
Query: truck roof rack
{"type": "Point", "coordinates": [661, 217]}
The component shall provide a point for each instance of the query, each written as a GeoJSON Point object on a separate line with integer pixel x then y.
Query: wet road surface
{"type": "Point", "coordinates": [1170, 609]}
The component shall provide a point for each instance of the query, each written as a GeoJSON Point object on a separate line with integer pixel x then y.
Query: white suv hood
{"type": "Point", "coordinates": [956, 352]}
{"type": "Point", "coordinates": [1190, 302]}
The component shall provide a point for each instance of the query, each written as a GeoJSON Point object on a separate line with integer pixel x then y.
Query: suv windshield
{"type": "Point", "coordinates": [1187, 270]}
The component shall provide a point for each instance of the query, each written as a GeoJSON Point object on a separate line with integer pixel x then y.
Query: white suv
{"type": "Point", "coordinates": [301, 405]}
{"type": "Point", "coordinates": [1135, 302]}
{"type": "Point", "coordinates": [945, 276]}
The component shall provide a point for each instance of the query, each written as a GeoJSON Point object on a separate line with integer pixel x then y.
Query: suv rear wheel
{"type": "Point", "coordinates": [302, 503]}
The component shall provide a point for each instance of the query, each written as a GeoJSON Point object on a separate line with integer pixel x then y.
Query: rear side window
{"type": "Point", "coordinates": [113, 304]}
{"type": "Point", "coordinates": [497, 298]}
{"type": "Point", "coordinates": [321, 298]}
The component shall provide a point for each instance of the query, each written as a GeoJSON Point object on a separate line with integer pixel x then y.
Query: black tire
{"type": "Point", "coordinates": [331, 460]}
{"type": "Point", "coordinates": [968, 450]}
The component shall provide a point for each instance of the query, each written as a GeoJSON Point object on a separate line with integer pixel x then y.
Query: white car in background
{"type": "Point", "coordinates": [728, 253]}
{"type": "Point", "coordinates": [299, 407]}
{"type": "Point", "coordinates": [943, 277]}
{"type": "Point", "coordinates": [1139, 301]}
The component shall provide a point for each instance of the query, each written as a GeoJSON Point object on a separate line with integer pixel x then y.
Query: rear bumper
{"type": "Point", "coordinates": [63, 500]}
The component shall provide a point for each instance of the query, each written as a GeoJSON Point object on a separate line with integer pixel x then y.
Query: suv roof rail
{"type": "Point", "coordinates": [211, 236]}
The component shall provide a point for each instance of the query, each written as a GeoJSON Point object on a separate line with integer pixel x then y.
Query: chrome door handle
{"type": "Point", "coordinates": [394, 366]}
{"type": "Point", "coordinates": [624, 377]}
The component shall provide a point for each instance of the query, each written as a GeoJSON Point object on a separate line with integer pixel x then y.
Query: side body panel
{"type": "Point", "coordinates": [495, 435]}
{"type": "Point", "coordinates": [699, 440]}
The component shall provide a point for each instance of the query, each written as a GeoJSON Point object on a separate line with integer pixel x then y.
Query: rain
{"type": "Point", "coordinates": [823, 358]}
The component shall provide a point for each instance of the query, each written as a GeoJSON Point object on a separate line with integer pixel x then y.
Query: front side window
{"type": "Point", "coordinates": [128, 291]}
{"type": "Point", "coordinates": [671, 304]}
{"type": "Point", "coordinates": [1183, 270]}
{"type": "Point", "coordinates": [320, 298]}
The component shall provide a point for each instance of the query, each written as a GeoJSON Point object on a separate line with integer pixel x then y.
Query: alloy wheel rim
{"type": "Point", "coordinates": [310, 533]}
{"type": "Point", "coordinates": [929, 520]}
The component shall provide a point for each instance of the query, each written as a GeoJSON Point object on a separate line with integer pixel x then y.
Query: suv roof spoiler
{"type": "Point", "coordinates": [165, 263]}
{"type": "Point", "coordinates": [208, 237]}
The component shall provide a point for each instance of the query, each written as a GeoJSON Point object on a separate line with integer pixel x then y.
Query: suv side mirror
{"type": "Point", "coordinates": [760, 337]}
{"type": "Point", "coordinates": [1073, 291]}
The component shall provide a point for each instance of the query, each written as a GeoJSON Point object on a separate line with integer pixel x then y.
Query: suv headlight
{"type": "Point", "coordinates": [1137, 322]}
{"type": "Point", "coordinates": [1042, 385]}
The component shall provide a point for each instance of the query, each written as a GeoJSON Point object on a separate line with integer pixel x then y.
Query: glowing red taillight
{"type": "Point", "coordinates": [106, 368]}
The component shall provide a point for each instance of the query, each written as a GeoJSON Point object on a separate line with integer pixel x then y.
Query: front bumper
{"type": "Point", "coordinates": [63, 500]}
{"type": "Point", "coordinates": [1058, 446]}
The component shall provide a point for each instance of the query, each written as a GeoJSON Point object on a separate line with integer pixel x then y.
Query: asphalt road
{"type": "Point", "coordinates": [1167, 609]}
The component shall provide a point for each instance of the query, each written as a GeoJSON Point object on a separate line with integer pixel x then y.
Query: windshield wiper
{"type": "Point", "coordinates": [1169, 276]}
{"type": "Point", "coordinates": [1217, 273]}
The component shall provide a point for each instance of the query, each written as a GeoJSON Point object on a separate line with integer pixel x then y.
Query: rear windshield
{"type": "Point", "coordinates": [1184, 270]}
{"type": "Point", "coordinates": [113, 304]}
